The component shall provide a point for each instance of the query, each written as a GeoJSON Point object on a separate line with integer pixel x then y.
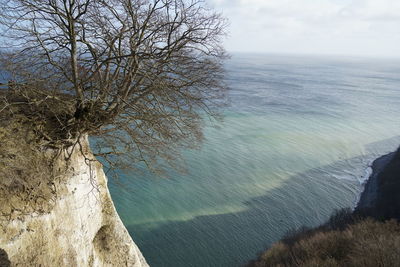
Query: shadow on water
{"type": "Point", "coordinates": [235, 238]}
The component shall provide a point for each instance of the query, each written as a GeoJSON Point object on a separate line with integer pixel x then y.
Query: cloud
{"type": "Point", "coordinates": [363, 27]}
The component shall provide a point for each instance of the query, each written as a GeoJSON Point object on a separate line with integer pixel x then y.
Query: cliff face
{"type": "Point", "coordinates": [381, 198]}
{"type": "Point", "coordinates": [79, 228]}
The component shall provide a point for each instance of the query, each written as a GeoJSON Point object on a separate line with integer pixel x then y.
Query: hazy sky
{"type": "Point", "coordinates": [347, 27]}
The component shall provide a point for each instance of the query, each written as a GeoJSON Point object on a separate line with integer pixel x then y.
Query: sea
{"type": "Point", "coordinates": [297, 141]}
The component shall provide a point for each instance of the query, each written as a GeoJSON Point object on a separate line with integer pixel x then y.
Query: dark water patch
{"type": "Point", "coordinates": [233, 239]}
{"type": "Point", "coordinates": [307, 198]}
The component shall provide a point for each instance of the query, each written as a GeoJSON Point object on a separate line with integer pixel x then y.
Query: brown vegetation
{"type": "Point", "coordinates": [366, 243]}
{"type": "Point", "coordinates": [29, 174]}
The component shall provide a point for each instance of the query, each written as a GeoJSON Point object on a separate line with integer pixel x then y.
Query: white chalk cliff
{"type": "Point", "coordinates": [81, 227]}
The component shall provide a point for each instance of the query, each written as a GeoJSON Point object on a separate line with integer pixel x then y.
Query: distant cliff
{"type": "Point", "coordinates": [58, 214]}
{"type": "Point", "coordinates": [381, 196]}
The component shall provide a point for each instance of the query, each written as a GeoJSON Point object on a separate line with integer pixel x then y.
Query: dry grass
{"type": "Point", "coordinates": [366, 243]}
{"type": "Point", "coordinates": [28, 172]}
{"type": "Point", "coordinates": [48, 117]}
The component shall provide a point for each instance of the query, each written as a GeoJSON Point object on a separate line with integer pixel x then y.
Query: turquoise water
{"type": "Point", "coordinates": [295, 144]}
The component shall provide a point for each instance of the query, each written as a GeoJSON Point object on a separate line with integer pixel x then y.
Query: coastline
{"type": "Point", "coordinates": [368, 196]}
{"type": "Point", "coordinates": [379, 198]}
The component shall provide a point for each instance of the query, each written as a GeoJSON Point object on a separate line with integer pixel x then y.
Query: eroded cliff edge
{"type": "Point", "coordinates": [67, 220]}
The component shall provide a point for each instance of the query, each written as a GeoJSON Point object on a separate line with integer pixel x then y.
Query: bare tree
{"type": "Point", "coordinates": [140, 75]}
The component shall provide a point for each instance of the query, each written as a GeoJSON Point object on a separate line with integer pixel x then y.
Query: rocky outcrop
{"type": "Point", "coordinates": [79, 228]}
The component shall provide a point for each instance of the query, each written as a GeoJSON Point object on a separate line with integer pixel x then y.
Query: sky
{"type": "Point", "coordinates": [331, 27]}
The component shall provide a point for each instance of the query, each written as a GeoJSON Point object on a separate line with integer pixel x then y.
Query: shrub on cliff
{"type": "Point", "coordinates": [366, 243]}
